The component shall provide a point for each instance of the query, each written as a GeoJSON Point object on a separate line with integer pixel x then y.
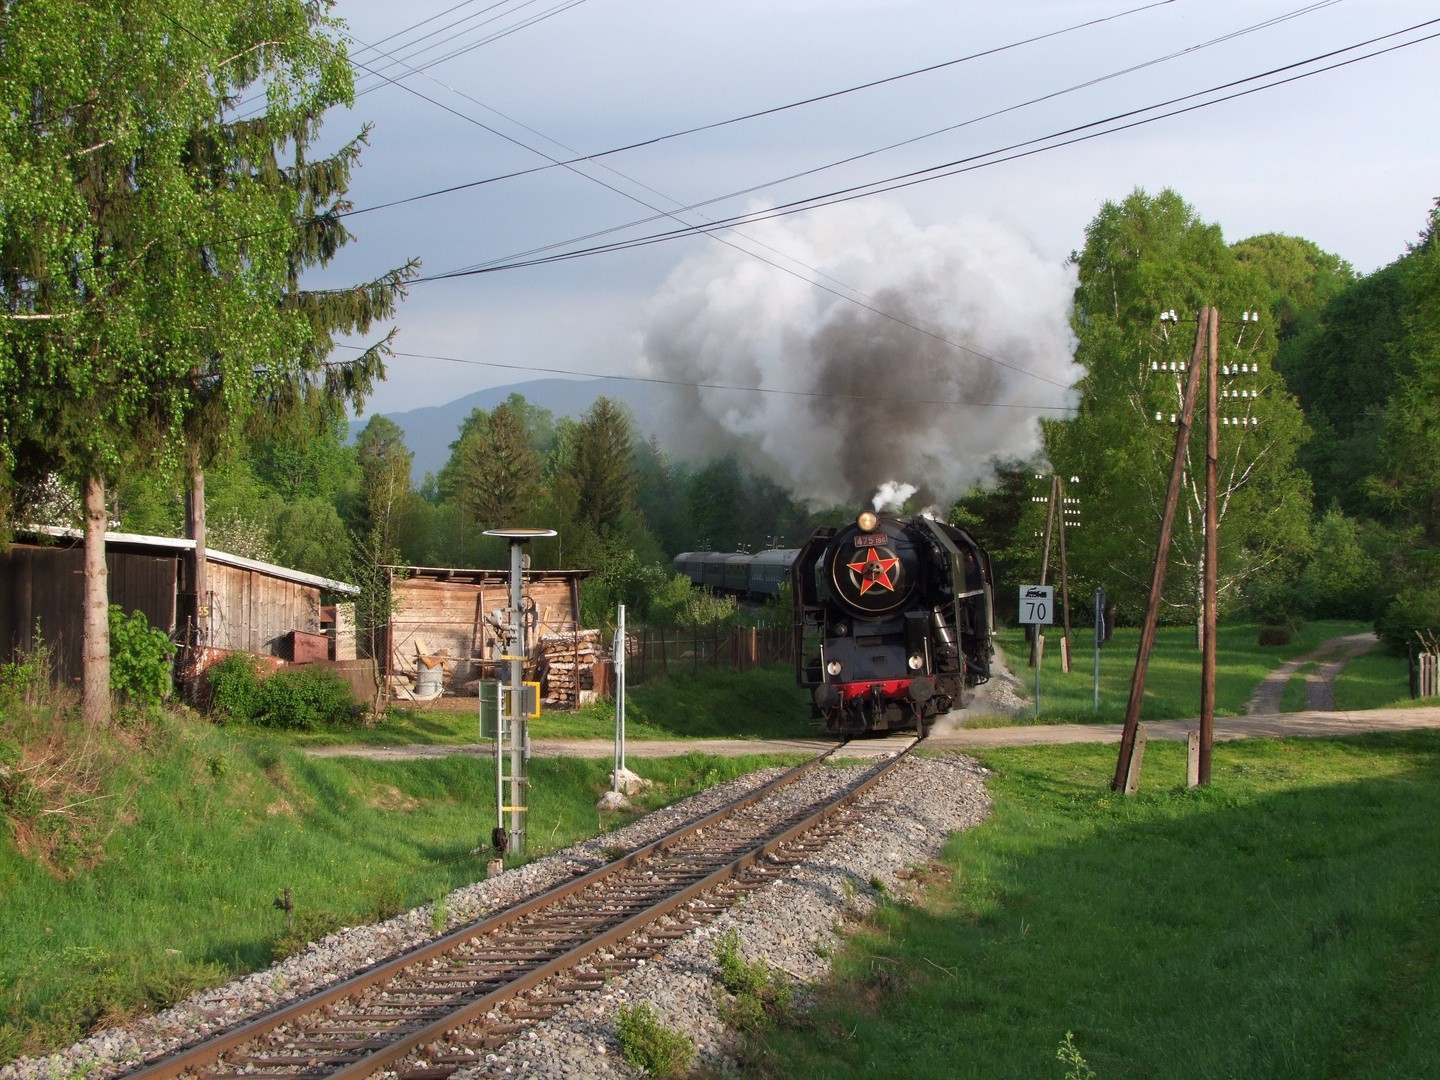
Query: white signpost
{"type": "Point", "coordinates": [1037, 607]}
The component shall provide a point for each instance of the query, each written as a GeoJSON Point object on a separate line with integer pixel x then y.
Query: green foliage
{"type": "Point", "coordinates": [234, 684]}
{"type": "Point", "coordinates": [305, 927]}
{"type": "Point", "coordinates": [302, 698]}
{"type": "Point", "coordinates": [778, 611]}
{"type": "Point", "coordinates": [757, 996]}
{"type": "Point", "coordinates": [1069, 1055]}
{"type": "Point", "coordinates": [648, 1045]}
{"type": "Point", "coordinates": [494, 470]}
{"type": "Point", "coordinates": [389, 900]}
{"type": "Point", "coordinates": [139, 658]}
{"type": "Point", "coordinates": [707, 610]}
{"type": "Point", "coordinates": [305, 697]}
{"type": "Point", "coordinates": [1143, 256]}
{"type": "Point", "coordinates": [600, 472]}
{"type": "Point", "coordinates": [998, 514]}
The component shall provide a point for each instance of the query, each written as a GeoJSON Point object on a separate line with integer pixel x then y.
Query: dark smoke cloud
{"type": "Point", "coordinates": [726, 318]}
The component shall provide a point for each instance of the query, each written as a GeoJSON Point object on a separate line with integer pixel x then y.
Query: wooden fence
{"type": "Point", "coordinates": [656, 652]}
{"type": "Point", "coordinates": [1425, 666]}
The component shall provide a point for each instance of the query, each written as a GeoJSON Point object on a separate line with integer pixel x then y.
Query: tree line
{"type": "Point", "coordinates": [1330, 489]}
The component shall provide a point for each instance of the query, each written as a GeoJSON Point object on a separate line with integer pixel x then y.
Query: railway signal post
{"type": "Point", "coordinates": [512, 700]}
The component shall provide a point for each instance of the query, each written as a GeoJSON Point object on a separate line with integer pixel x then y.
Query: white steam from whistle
{"type": "Point", "coordinates": [892, 495]}
{"type": "Point", "coordinates": [724, 317]}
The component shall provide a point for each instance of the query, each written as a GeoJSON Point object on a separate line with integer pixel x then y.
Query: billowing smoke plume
{"type": "Point", "coordinates": [869, 398]}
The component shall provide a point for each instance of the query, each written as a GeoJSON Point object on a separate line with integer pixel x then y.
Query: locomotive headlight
{"type": "Point", "coordinates": [867, 521]}
{"type": "Point", "coordinates": [916, 661]}
{"type": "Point", "coordinates": [833, 667]}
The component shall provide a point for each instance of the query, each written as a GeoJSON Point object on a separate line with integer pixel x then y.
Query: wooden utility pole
{"type": "Point", "coordinates": [1162, 555]}
{"type": "Point", "coordinates": [1212, 545]}
{"type": "Point", "coordinates": [1037, 651]}
{"type": "Point", "coordinates": [1064, 580]}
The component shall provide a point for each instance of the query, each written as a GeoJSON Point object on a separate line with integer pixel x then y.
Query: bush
{"type": "Point", "coordinates": [303, 697]}
{"type": "Point", "coordinates": [307, 926]}
{"type": "Point", "coordinates": [139, 658]}
{"type": "Point", "coordinates": [234, 688]}
{"type": "Point", "coordinates": [757, 994]}
{"type": "Point", "coordinates": [650, 1046]}
{"type": "Point", "coordinates": [1274, 635]}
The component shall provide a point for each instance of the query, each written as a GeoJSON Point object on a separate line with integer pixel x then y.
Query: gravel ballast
{"type": "Point", "coordinates": [791, 924]}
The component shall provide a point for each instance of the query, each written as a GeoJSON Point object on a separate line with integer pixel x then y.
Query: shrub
{"type": "Point", "coordinates": [139, 658]}
{"type": "Point", "coordinates": [650, 1046]}
{"type": "Point", "coordinates": [757, 994]}
{"type": "Point", "coordinates": [234, 688]}
{"type": "Point", "coordinates": [303, 697]}
{"type": "Point", "coordinates": [1274, 635]}
{"type": "Point", "coordinates": [306, 927]}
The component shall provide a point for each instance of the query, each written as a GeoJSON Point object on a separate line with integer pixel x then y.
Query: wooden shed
{"type": "Point", "coordinates": [254, 605]}
{"type": "Point", "coordinates": [453, 611]}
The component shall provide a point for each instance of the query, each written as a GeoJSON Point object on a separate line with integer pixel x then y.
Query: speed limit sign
{"type": "Point", "coordinates": [1037, 604]}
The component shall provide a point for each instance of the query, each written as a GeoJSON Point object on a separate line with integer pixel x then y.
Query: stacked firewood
{"type": "Point", "coordinates": [567, 665]}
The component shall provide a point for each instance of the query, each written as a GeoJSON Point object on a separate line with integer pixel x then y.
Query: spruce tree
{"type": "Point", "coordinates": [497, 469]}
{"type": "Point", "coordinates": [150, 248]}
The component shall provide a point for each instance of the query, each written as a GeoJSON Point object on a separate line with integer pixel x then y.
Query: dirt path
{"type": "Point", "coordinates": [1315, 724]}
{"type": "Point", "coordinates": [1319, 684]}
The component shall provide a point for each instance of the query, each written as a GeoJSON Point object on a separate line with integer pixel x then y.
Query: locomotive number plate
{"type": "Point", "coordinates": [871, 540]}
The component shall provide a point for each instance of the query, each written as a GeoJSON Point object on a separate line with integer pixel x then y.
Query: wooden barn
{"type": "Point", "coordinates": [254, 606]}
{"type": "Point", "coordinates": [452, 613]}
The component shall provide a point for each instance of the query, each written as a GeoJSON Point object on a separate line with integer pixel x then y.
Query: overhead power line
{"type": "Point", "coordinates": [852, 158]}
{"type": "Point", "coordinates": [727, 386]}
{"type": "Point", "coordinates": [830, 95]}
{"type": "Point", "coordinates": [843, 292]}
{"type": "Point", "coordinates": [1015, 151]}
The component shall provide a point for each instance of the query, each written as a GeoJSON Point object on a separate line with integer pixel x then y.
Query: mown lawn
{"type": "Point", "coordinates": [190, 832]}
{"type": "Point", "coordinates": [763, 703]}
{"type": "Point", "coordinates": [1284, 923]}
{"type": "Point", "coordinates": [1172, 685]}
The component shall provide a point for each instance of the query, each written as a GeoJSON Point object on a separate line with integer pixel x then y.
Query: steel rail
{"type": "Point", "coordinates": [210, 1049]}
{"type": "Point", "coordinates": [403, 1047]}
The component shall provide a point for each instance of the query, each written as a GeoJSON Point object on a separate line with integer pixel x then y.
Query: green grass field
{"type": "Point", "coordinates": [206, 826]}
{"type": "Point", "coordinates": [1172, 685]}
{"type": "Point", "coordinates": [763, 703]}
{"type": "Point", "coordinates": [1284, 923]}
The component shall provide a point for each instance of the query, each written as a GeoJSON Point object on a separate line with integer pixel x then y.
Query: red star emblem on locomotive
{"type": "Point", "coordinates": [874, 572]}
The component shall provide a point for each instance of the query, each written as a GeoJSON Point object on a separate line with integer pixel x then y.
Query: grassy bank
{"type": "Point", "coordinates": [763, 703]}
{"type": "Point", "coordinates": [1282, 923]}
{"type": "Point", "coordinates": [1172, 685]}
{"type": "Point", "coordinates": [155, 870]}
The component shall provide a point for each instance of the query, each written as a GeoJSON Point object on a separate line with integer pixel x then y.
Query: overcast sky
{"type": "Point", "coordinates": [1347, 158]}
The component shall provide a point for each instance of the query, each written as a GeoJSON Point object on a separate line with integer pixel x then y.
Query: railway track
{"type": "Point", "coordinates": [437, 1009]}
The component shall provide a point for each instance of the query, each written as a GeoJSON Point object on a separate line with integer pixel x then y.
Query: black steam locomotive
{"type": "Point", "coordinates": [894, 621]}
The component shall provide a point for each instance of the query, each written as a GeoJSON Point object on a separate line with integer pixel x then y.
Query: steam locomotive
{"type": "Point", "coordinates": [894, 622]}
{"type": "Point", "coordinates": [894, 616]}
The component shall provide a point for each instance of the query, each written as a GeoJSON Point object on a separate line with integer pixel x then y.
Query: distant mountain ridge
{"type": "Point", "coordinates": [431, 429]}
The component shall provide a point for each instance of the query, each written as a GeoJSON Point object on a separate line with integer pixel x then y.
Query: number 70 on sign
{"type": "Point", "coordinates": [1037, 604]}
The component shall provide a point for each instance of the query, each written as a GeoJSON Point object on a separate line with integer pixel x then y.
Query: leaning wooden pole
{"type": "Point", "coordinates": [1037, 647]}
{"type": "Point", "coordinates": [1162, 555]}
{"type": "Point", "coordinates": [1064, 579]}
{"type": "Point", "coordinates": [1212, 546]}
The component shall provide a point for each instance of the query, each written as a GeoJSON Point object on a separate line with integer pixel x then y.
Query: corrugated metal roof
{"type": "Point", "coordinates": [177, 543]}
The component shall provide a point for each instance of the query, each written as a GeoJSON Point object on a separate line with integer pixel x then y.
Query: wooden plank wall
{"type": "Point", "coordinates": [253, 612]}
{"type": "Point", "coordinates": [45, 586]}
{"type": "Point", "coordinates": [448, 616]}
